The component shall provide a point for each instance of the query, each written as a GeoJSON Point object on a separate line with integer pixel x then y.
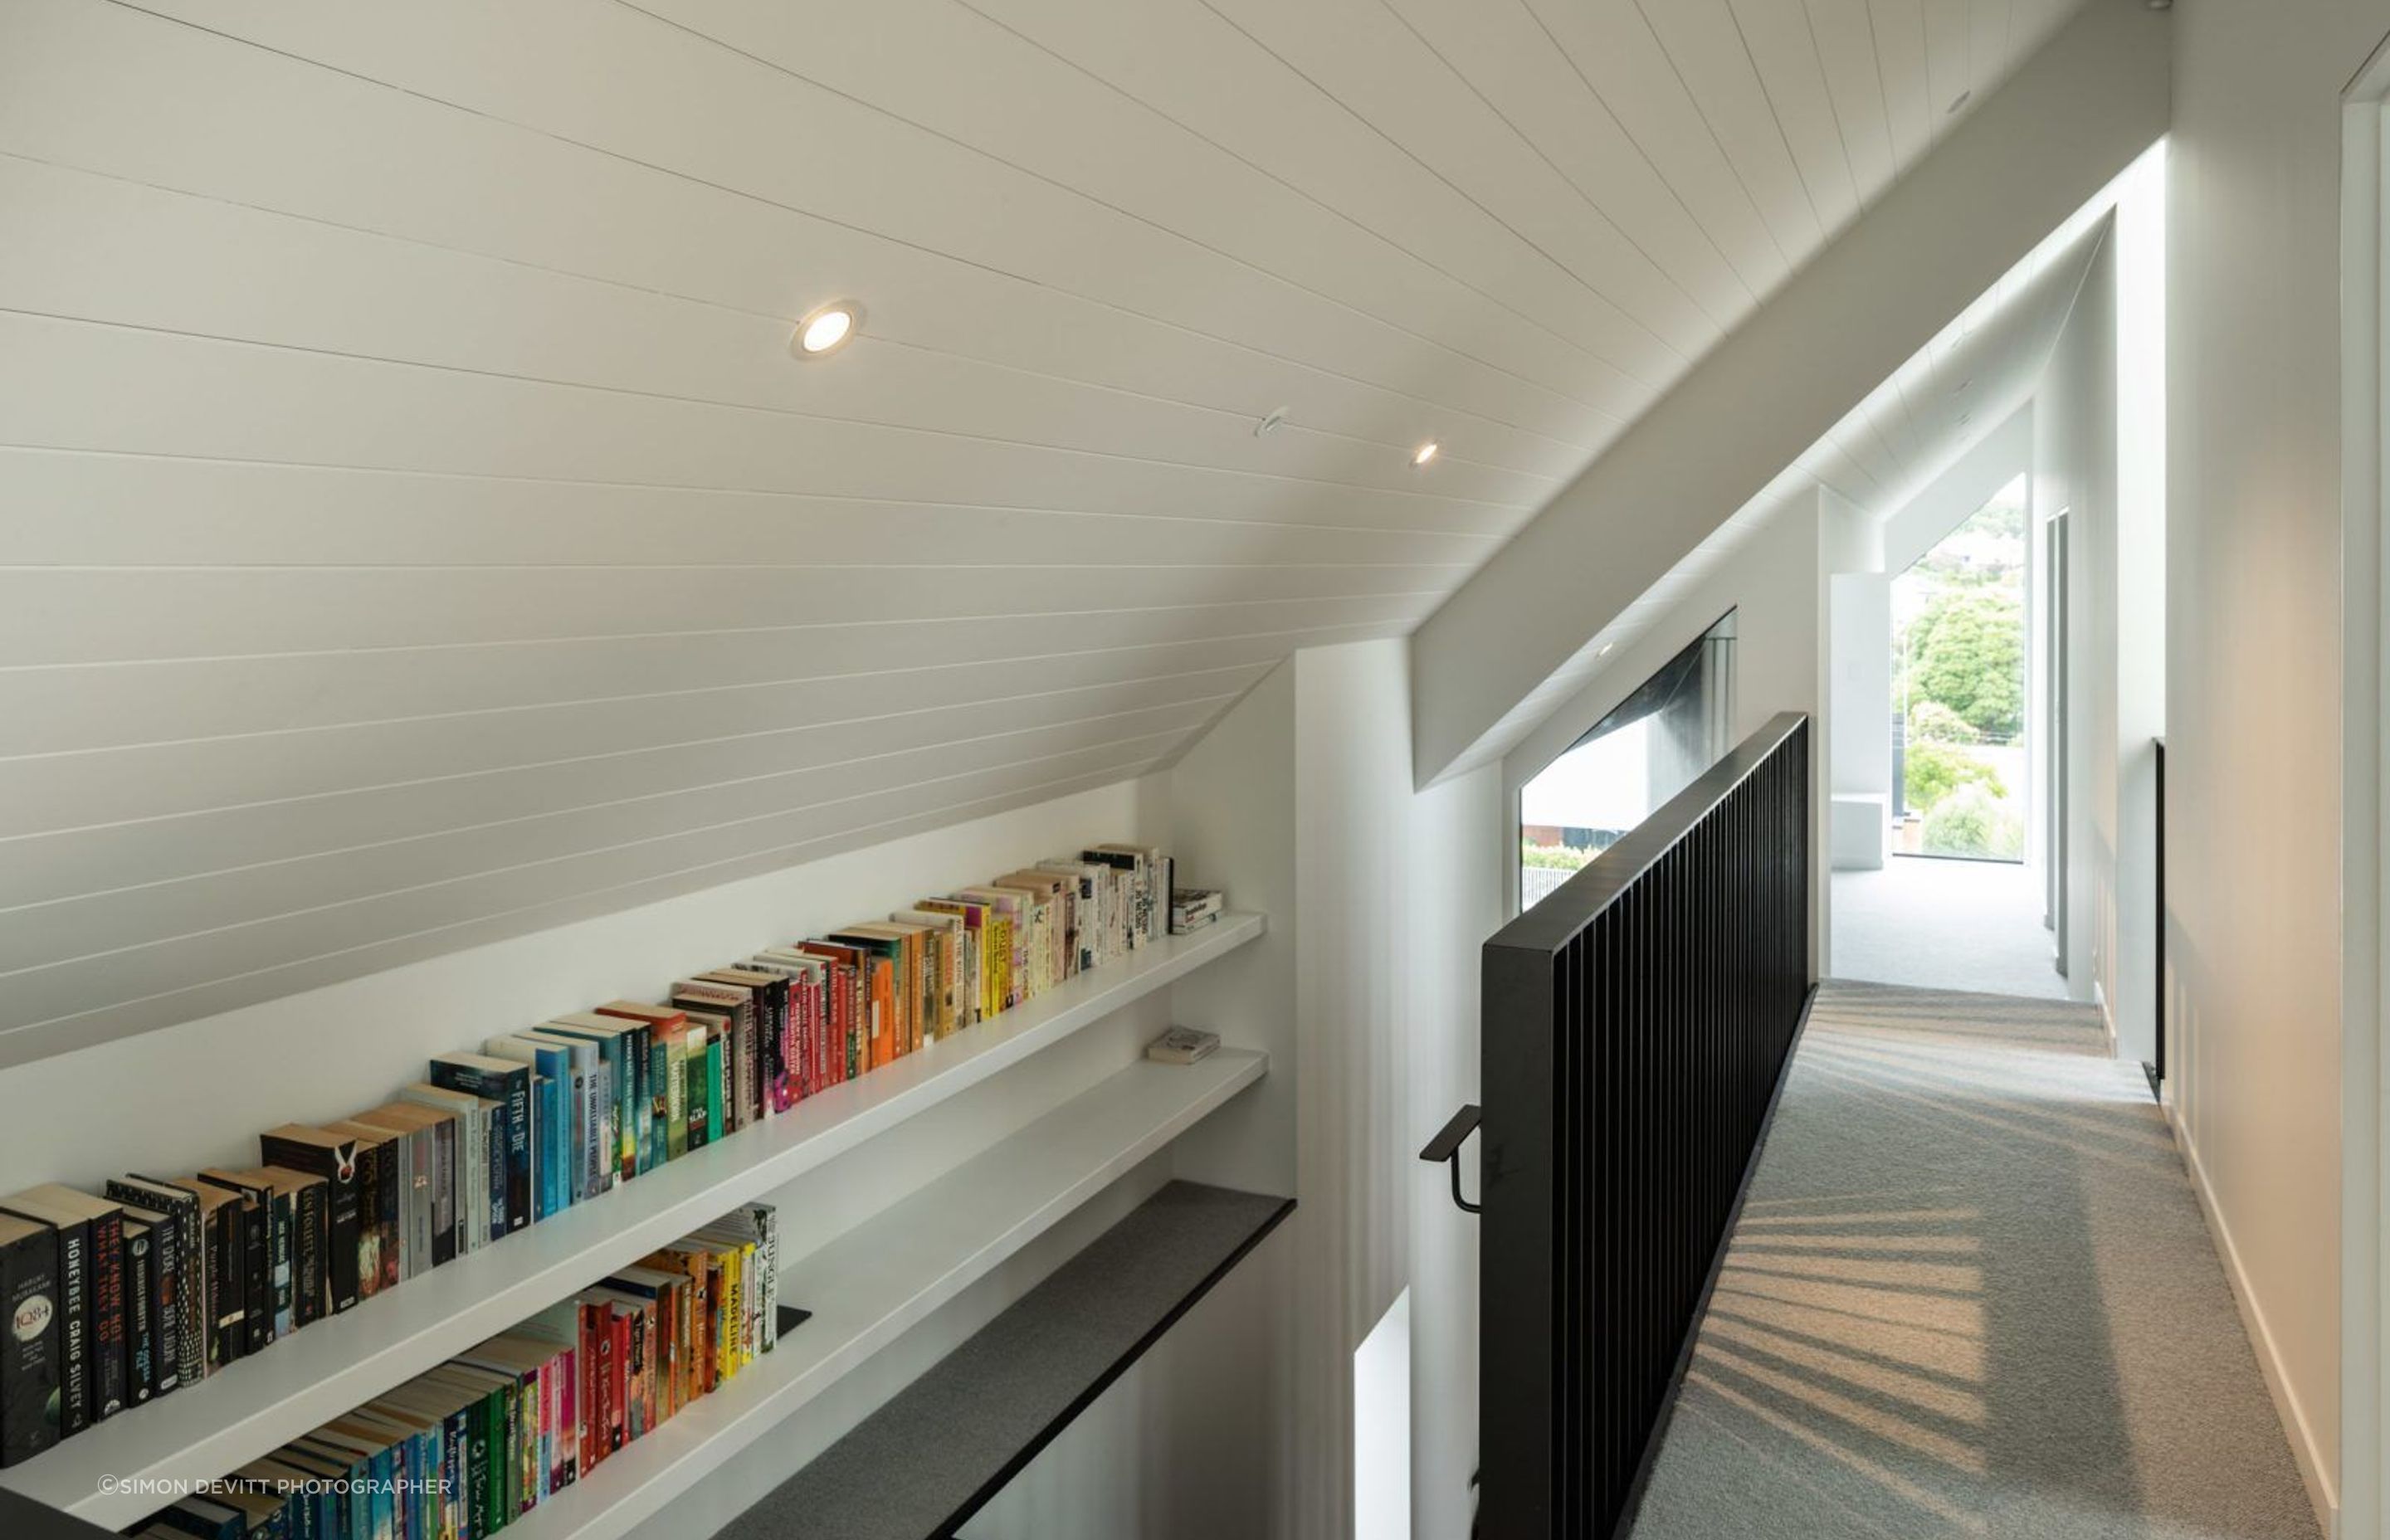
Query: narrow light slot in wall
{"type": "Point", "coordinates": [1382, 1427]}
{"type": "Point", "coordinates": [827, 329]}
{"type": "Point", "coordinates": [1424, 453]}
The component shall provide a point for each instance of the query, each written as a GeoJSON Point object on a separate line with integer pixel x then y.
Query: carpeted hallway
{"type": "Point", "coordinates": [1970, 1294]}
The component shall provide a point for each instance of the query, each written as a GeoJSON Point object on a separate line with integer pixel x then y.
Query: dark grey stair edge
{"type": "Point", "coordinates": [920, 1465]}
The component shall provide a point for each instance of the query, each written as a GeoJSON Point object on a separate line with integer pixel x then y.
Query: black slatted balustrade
{"type": "Point", "coordinates": [1636, 1025]}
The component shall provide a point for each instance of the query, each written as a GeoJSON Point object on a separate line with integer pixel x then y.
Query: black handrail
{"type": "Point", "coordinates": [1444, 1149]}
{"type": "Point", "coordinates": [1636, 1025]}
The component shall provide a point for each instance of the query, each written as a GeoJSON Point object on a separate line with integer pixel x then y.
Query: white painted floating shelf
{"type": "Point", "coordinates": [258, 1403]}
{"type": "Point", "coordinates": [878, 1280]}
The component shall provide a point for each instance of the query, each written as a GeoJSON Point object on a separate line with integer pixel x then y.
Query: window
{"type": "Point", "coordinates": [1959, 677]}
{"type": "Point", "coordinates": [1676, 725]}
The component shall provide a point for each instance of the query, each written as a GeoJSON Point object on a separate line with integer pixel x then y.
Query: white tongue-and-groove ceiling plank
{"type": "Point", "coordinates": [282, 700]}
{"type": "Point", "coordinates": [1510, 62]}
{"type": "Point", "coordinates": [1950, 50]}
{"type": "Point", "coordinates": [123, 615]}
{"type": "Point", "coordinates": [1713, 61]}
{"type": "Point", "coordinates": [1870, 305]}
{"type": "Point", "coordinates": [77, 385]}
{"type": "Point", "coordinates": [816, 717]}
{"type": "Point", "coordinates": [307, 852]}
{"type": "Point", "coordinates": [77, 508]}
{"type": "Point", "coordinates": [300, 905]}
{"type": "Point", "coordinates": [130, 255]}
{"type": "Point", "coordinates": [628, 87]}
{"type": "Point", "coordinates": [81, 1001]}
{"type": "Point", "coordinates": [414, 528]}
{"type": "Point", "coordinates": [1897, 28]}
{"type": "Point", "coordinates": [1370, 63]}
{"type": "Point", "coordinates": [91, 79]}
{"type": "Point", "coordinates": [1788, 82]}
{"type": "Point", "coordinates": [944, 66]}
{"type": "Point", "coordinates": [1841, 37]}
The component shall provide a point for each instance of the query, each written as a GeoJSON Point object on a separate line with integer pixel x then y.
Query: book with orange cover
{"type": "Point", "coordinates": [951, 944]}
{"type": "Point", "coordinates": [860, 1038]}
{"type": "Point", "coordinates": [912, 981]}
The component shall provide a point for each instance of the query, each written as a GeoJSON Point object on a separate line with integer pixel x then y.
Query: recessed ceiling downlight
{"type": "Point", "coordinates": [1425, 453]}
{"type": "Point", "coordinates": [828, 328]}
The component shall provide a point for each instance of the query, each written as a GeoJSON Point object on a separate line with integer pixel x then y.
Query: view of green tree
{"type": "Point", "coordinates": [1931, 722]}
{"type": "Point", "coordinates": [1557, 857]}
{"type": "Point", "coordinates": [1965, 651]}
{"type": "Point", "coordinates": [1934, 770]}
{"type": "Point", "coordinates": [1974, 821]}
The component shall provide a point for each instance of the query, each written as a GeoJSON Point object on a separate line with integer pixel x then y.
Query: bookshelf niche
{"type": "Point", "coordinates": [865, 1287]}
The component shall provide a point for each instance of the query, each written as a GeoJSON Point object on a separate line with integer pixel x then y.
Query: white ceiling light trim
{"type": "Point", "coordinates": [827, 328]}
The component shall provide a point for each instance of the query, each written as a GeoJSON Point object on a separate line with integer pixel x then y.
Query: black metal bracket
{"type": "Point", "coordinates": [1445, 1149]}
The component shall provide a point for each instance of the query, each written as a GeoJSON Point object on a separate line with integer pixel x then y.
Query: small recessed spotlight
{"type": "Point", "coordinates": [1603, 652]}
{"type": "Point", "coordinates": [828, 328]}
{"type": "Point", "coordinates": [1424, 452]}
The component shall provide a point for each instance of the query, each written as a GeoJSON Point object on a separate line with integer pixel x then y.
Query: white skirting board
{"type": "Point", "coordinates": [2304, 1449]}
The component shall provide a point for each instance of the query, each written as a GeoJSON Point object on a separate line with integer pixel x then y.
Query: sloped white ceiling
{"type": "Point", "coordinates": [1944, 400]}
{"type": "Point", "coordinates": [414, 528]}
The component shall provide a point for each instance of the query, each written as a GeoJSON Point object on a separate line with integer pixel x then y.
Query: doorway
{"type": "Point", "coordinates": [1959, 679]}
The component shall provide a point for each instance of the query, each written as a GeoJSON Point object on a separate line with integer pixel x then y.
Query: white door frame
{"type": "Point", "coordinates": [2365, 716]}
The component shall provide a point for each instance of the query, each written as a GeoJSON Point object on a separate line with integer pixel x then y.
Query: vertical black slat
{"type": "Point", "coordinates": [1516, 1067]}
{"type": "Point", "coordinates": [1617, 1236]}
{"type": "Point", "coordinates": [1601, 1395]}
{"type": "Point", "coordinates": [1636, 1023]}
{"type": "Point", "coordinates": [1575, 1337]}
{"type": "Point", "coordinates": [1566, 1209]}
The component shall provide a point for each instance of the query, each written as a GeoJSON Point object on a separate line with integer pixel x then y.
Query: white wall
{"type": "Point", "coordinates": [2075, 474]}
{"type": "Point", "coordinates": [1947, 500]}
{"type": "Point", "coordinates": [1459, 836]}
{"type": "Point", "coordinates": [2253, 668]}
{"type": "Point", "coordinates": [1153, 1451]}
{"type": "Point", "coordinates": [1859, 657]}
{"type": "Point", "coordinates": [1367, 984]}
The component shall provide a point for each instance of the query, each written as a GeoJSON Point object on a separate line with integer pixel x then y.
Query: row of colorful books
{"type": "Point", "coordinates": [463, 1450]}
{"type": "Point", "coordinates": [159, 1283]}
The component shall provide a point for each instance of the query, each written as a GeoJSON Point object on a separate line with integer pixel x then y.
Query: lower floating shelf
{"type": "Point", "coordinates": [872, 1284]}
{"type": "Point", "coordinates": [920, 1466]}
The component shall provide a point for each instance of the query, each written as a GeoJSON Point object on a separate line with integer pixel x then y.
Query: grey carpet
{"type": "Point", "coordinates": [1944, 925]}
{"type": "Point", "coordinates": [911, 1466]}
{"type": "Point", "coordinates": [1970, 1294]}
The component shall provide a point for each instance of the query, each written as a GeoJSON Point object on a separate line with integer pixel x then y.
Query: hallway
{"type": "Point", "coordinates": [1941, 924]}
{"type": "Point", "coordinates": [1970, 1294]}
